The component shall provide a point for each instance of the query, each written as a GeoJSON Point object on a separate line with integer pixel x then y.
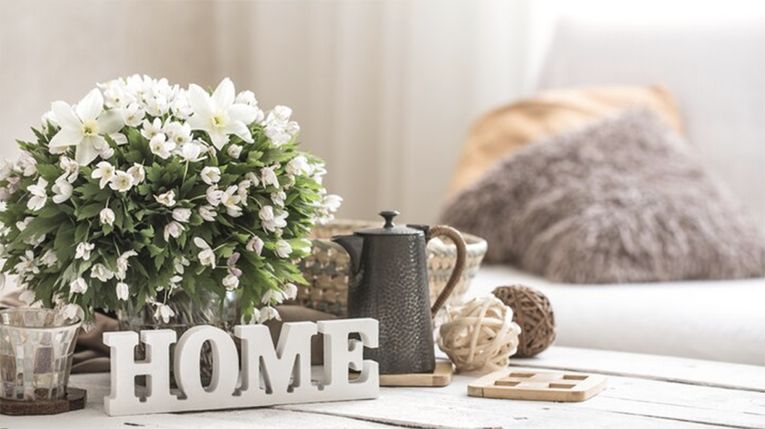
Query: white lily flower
{"type": "Point", "coordinates": [151, 129]}
{"type": "Point", "coordinates": [26, 164]}
{"type": "Point", "coordinates": [268, 176]}
{"type": "Point", "coordinates": [246, 97]}
{"type": "Point", "coordinates": [27, 263]}
{"type": "Point", "coordinates": [178, 133]}
{"type": "Point", "coordinates": [83, 251]}
{"type": "Point", "coordinates": [272, 220]}
{"type": "Point", "coordinates": [214, 195]}
{"type": "Point", "coordinates": [268, 313]}
{"type": "Point", "coordinates": [104, 171]}
{"type": "Point", "coordinates": [133, 115]}
{"type": "Point", "coordinates": [182, 214]}
{"type": "Point", "coordinates": [231, 282]}
{"type": "Point", "coordinates": [119, 139]}
{"type": "Point", "coordinates": [71, 168]}
{"type": "Point", "coordinates": [85, 125]}
{"type": "Point", "coordinates": [49, 119]}
{"type": "Point", "coordinates": [35, 240]}
{"type": "Point", "coordinates": [173, 229]}
{"type": "Point", "coordinates": [100, 272]}
{"type": "Point", "coordinates": [208, 213]}
{"type": "Point", "coordinates": [210, 175]}
{"type": "Point", "coordinates": [219, 115]}
{"type": "Point", "coordinates": [79, 285]}
{"type": "Point", "coordinates": [230, 200]}
{"type": "Point", "coordinates": [180, 264]}
{"type": "Point", "coordinates": [278, 198]}
{"type": "Point", "coordinates": [138, 173]}
{"type": "Point", "coordinates": [181, 107]}
{"type": "Point", "coordinates": [272, 296]}
{"type": "Point", "coordinates": [71, 311]}
{"type": "Point", "coordinates": [122, 182]}
{"type": "Point", "coordinates": [332, 202]}
{"type": "Point", "coordinates": [49, 258]}
{"type": "Point", "coordinates": [62, 191]}
{"type": "Point", "coordinates": [163, 312]}
{"type": "Point", "coordinates": [123, 265]}
{"type": "Point", "coordinates": [255, 245]}
{"type": "Point", "coordinates": [106, 153]}
{"type": "Point", "coordinates": [290, 291]}
{"type": "Point", "coordinates": [160, 146]}
{"type": "Point", "coordinates": [298, 166]}
{"type": "Point", "coordinates": [206, 256]}
{"type": "Point", "coordinates": [23, 224]}
{"type": "Point", "coordinates": [123, 291]}
{"type": "Point", "coordinates": [234, 151]}
{"type": "Point", "coordinates": [252, 178]}
{"type": "Point", "coordinates": [190, 152]}
{"type": "Point", "coordinates": [39, 195]}
{"type": "Point", "coordinates": [166, 199]}
{"type": "Point", "coordinates": [106, 216]}
{"type": "Point", "coordinates": [283, 249]}
{"type": "Point", "coordinates": [6, 168]}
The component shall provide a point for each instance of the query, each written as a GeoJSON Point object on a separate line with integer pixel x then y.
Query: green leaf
{"type": "Point", "coordinates": [89, 211]}
{"type": "Point", "coordinates": [49, 172]}
{"type": "Point", "coordinates": [62, 244]}
{"type": "Point", "coordinates": [81, 233]}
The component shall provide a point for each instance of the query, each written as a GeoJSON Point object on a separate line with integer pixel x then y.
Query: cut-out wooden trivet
{"type": "Point", "coordinates": [538, 386]}
{"type": "Point", "coordinates": [75, 400]}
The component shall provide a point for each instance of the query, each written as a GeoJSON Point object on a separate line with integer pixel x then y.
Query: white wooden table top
{"type": "Point", "coordinates": [643, 391]}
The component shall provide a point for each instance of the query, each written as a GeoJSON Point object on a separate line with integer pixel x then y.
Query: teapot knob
{"type": "Point", "coordinates": [388, 215]}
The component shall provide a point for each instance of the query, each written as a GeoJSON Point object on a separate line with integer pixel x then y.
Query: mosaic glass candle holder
{"type": "Point", "coordinates": [36, 347]}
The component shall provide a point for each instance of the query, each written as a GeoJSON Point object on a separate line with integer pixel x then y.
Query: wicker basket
{"type": "Point", "coordinates": [326, 269]}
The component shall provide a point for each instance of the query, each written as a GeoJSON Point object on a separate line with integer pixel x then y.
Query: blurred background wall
{"type": "Point", "coordinates": [385, 91]}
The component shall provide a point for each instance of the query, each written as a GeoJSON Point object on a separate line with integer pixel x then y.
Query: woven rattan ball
{"type": "Point", "coordinates": [533, 312]}
{"type": "Point", "coordinates": [479, 335]}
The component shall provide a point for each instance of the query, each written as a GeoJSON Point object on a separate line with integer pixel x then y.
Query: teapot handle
{"type": "Point", "coordinates": [456, 237]}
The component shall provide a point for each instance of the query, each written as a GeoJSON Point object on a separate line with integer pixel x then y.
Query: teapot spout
{"type": "Point", "coordinates": [352, 244]}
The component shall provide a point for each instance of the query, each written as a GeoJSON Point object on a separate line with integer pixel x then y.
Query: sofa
{"type": "Point", "coordinates": [717, 75]}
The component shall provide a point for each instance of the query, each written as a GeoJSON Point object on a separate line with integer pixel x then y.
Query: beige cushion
{"type": "Point", "coordinates": [550, 113]}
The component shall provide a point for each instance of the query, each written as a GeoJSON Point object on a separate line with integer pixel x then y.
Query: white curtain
{"type": "Point", "coordinates": [385, 91]}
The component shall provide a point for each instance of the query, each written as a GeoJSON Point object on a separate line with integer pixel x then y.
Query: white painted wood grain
{"type": "Point", "coordinates": [707, 394]}
{"type": "Point", "coordinates": [665, 368]}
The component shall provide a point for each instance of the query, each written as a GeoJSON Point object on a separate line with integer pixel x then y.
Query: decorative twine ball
{"type": "Point", "coordinates": [479, 335]}
{"type": "Point", "coordinates": [533, 312]}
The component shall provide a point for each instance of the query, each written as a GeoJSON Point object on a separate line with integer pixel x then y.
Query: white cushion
{"type": "Point", "coordinates": [715, 71]}
{"type": "Point", "coordinates": [716, 320]}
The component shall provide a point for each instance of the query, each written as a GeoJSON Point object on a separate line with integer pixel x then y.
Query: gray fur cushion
{"type": "Point", "coordinates": [624, 200]}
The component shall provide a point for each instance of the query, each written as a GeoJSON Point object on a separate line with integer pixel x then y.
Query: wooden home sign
{"type": "Point", "coordinates": [268, 376]}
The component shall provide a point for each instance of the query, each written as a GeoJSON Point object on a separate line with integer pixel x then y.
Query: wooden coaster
{"type": "Point", "coordinates": [75, 400]}
{"type": "Point", "coordinates": [538, 386]}
{"type": "Point", "coordinates": [442, 376]}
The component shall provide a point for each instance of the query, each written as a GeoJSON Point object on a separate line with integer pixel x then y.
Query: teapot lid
{"type": "Point", "coordinates": [390, 228]}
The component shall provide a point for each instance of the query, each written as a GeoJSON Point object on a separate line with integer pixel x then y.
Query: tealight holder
{"type": "Point", "coordinates": [36, 347]}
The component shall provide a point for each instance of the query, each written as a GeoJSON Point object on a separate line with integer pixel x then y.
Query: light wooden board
{"type": "Point", "coordinates": [538, 386]}
{"type": "Point", "coordinates": [442, 376]}
{"type": "Point", "coordinates": [631, 400]}
{"type": "Point", "coordinates": [662, 368]}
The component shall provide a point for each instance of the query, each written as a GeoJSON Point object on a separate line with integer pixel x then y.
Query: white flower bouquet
{"type": "Point", "coordinates": [144, 189]}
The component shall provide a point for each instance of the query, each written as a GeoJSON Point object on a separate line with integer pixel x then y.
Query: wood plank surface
{"type": "Point", "coordinates": [643, 392]}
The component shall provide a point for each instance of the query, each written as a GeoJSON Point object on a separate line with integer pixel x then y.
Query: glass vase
{"type": "Point", "coordinates": [36, 347]}
{"type": "Point", "coordinates": [210, 310]}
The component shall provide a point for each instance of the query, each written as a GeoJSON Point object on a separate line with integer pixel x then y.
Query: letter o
{"type": "Point", "coordinates": [225, 362]}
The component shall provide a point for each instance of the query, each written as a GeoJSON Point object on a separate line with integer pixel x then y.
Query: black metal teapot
{"type": "Point", "coordinates": [388, 281]}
